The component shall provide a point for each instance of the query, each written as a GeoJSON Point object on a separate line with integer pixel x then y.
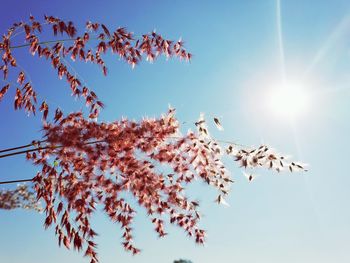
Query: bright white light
{"type": "Point", "coordinates": [288, 100]}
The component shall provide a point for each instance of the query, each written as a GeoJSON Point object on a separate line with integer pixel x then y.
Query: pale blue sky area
{"type": "Point", "coordinates": [238, 57]}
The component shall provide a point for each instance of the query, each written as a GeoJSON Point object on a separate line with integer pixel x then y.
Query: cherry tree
{"type": "Point", "coordinates": [86, 165]}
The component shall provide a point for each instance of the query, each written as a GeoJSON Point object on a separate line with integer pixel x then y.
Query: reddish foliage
{"type": "Point", "coordinates": [20, 197]}
{"type": "Point", "coordinates": [120, 42]}
{"type": "Point", "coordinates": [125, 159]}
{"type": "Point", "coordinates": [95, 163]}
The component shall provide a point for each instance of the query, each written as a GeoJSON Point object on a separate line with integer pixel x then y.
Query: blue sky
{"type": "Point", "coordinates": [238, 50]}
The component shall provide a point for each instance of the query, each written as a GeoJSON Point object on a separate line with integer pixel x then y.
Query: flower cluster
{"type": "Point", "coordinates": [120, 42]}
{"type": "Point", "coordinates": [86, 165]}
{"type": "Point", "coordinates": [20, 197]}
{"type": "Point", "coordinates": [95, 163]}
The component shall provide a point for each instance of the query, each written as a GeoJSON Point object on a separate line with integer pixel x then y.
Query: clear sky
{"type": "Point", "coordinates": [242, 50]}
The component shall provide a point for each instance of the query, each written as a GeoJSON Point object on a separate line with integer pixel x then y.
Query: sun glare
{"type": "Point", "coordinates": [288, 101]}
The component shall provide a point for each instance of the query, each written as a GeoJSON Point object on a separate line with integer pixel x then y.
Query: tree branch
{"type": "Point", "coordinates": [22, 146]}
{"type": "Point", "coordinates": [41, 148]}
{"type": "Point", "coordinates": [16, 181]}
{"type": "Point", "coordinates": [47, 42]}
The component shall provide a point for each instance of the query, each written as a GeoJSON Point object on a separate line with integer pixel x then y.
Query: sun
{"type": "Point", "coordinates": [288, 101]}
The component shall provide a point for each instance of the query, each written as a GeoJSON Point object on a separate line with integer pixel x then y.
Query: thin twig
{"type": "Point", "coordinates": [43, 148]}
{"type": "Point", "coordinates": [28, 151]}
{"type": "Point", "coordinates": [47, 42]}
{"type": "Point", "coordinates": [61, 146]}
{"type": "Point", "coordinates": [87, 143]}
{"type": "Point", "coordinates": [16, 148]}
{"type": "Point", "coordinates": [44, 42]}
{"type": "Point", "coordinates": [16, 181]}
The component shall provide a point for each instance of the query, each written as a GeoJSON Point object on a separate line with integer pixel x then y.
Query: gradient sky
{"type": "Point", "coordinates": [241, 50]}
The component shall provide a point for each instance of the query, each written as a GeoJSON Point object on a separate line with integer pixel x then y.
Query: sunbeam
{"type": "Point", "coordinates": [289, 100]}
{"type": "Point", "coordinates": [342, 28]}
{"type": "Point", "coordinates": [280, 40]}
{"type": "Point", "coordinates": [285, 99]}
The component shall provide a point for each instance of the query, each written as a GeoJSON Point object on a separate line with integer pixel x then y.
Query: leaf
{"type": "Point", "coordinates": [59, 208]}
{"type": "Point", "coordinates": [106, 30]}
{"type": "Point", "coordinates": [229, 149]}
{"type": "Point", "coordinates": [100, 104]}
{"type": "Point", "coordinates": [20, 78]}
{"type": "Point", "coordinates": [66, 242]}
{"type": "Point", "coordinates": [250, 177]}
{"type": "Point", "coordinates": [218, 124]}
{"type": "Point", "coordinates": [18, 99]}
{"type": "Point", "coordinates": [221, 200]}
{"type": "Point", "coordinates": [198, 123]}
{"type": "Point", "coordinates": [3, 91]}
{"type": "Point", "coordinates": [45, 109]}
{"type": "Point", "coordinates": [58, 115]}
